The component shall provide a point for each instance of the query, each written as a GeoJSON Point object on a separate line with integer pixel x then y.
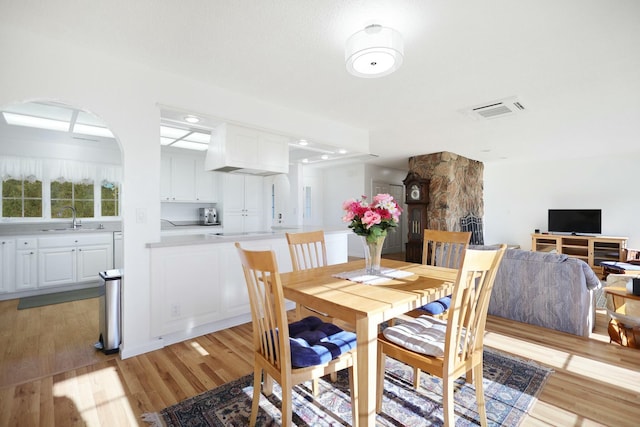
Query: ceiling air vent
{"type": "Point", "coordinates": [499, 108]}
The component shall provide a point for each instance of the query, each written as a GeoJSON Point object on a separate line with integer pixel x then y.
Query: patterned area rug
{"type": "Point", "coordinates": [510, 385]}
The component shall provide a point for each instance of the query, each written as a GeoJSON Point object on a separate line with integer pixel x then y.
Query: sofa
{"type": "Point", "coordinates": [545, 289]}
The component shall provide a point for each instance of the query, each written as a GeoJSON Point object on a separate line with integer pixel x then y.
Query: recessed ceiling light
{"type": "Point", "coordinates": [305, 160]}
{"type": "Point", "coordinates": [342, 151]}
{"type": "Point", "coordinates": [324, 156]}
{"type": "Point", "coordinates": [191, 119]}
{"type": "Point", "coordinates": [35, 122]}
{"type": "Point", "coordinates": [303, 142]}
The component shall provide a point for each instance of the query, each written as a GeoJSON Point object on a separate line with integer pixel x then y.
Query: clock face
{"type": "Point", "coordinates": [414, 192]}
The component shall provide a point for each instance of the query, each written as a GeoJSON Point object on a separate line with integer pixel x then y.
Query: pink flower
{"type": "Point", "coordinates": [348, 217]}
{"type": "Point", "coordinates": [371, 218]}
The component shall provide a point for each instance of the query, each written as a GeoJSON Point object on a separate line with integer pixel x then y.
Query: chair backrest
{"type": "Point", "coordinates": [307, 250]}
{"type": "Point", "coordinates": [473, 224]}
{"type": "Point", "coordinates": [444, 248]}
{"type": "Point", "coordinates": [268, 311]}
{"type": "Point", "coordinates": [469, 304]}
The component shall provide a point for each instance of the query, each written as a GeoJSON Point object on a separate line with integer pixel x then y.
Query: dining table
{"type": "Point", "coordinates": [399, 288]}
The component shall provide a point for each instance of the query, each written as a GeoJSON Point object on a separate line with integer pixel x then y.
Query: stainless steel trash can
{"type": "Point", "coordinates": [110, 311]}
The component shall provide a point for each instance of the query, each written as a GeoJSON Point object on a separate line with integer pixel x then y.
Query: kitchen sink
{"type": "Point", "coordinates": [72, 229]}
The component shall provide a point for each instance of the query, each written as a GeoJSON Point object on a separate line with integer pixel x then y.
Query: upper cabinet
{"type": "Point", "coordinates": [183, 178]}
{"type": "Point", "coordinates": [238, 148]}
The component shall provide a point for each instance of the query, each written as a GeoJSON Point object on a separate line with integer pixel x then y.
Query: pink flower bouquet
{"type": "Point", "coordinates": [372, 220]}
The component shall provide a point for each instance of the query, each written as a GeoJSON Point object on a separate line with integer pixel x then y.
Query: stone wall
{"type": "Point", "coordinates": [455, 188]}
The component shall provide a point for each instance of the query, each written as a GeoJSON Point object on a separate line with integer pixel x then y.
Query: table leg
{"type": "Point", "coordinates": [367, 332]}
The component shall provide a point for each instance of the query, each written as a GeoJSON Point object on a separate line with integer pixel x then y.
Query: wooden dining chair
{"type": "Point", "coordinates": [308, 250]}
{"type": "Point", "coordinates": [443, 249]}
{"type": "Point", "coordinates": [290, 353]}
{"type": "Point", "coordinates": [451, 348]}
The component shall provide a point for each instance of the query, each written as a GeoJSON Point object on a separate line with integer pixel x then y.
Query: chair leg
{"type": "Point", "coordinates": [287, 410]}
{"type": "Point", "coordinates": [267, 388]}
{"type": "Point", "coordinates": [416, 378]}
{"type": "Point", "coordinates": [447, 402]}
{"type": "Point", "coordinates": [315, 388]}
{"type": "Point", "coordinates": [380, 379]}
{"type": "Point", "coordinates": [257, 382]}
{"type": "Point", "coordinates": [477, 376]}
{"type": "Point", "coordinates": [353, 388]}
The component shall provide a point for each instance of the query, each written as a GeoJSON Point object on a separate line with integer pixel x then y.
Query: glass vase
{"type": "Point", "coordinates": [373, 254]}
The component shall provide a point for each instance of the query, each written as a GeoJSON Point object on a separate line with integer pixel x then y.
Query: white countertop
{"type": "Point", "coordinates": [209, 237]}
{"type": "Point", "coordinates": [55, 228]}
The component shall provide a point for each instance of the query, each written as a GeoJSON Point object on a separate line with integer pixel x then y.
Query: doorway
{"type": "Point", "coordinates": [54, 156]}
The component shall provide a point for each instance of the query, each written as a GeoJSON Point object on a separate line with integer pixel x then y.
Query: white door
{"type": "Point", "coordinates": [57, 266]}
{"type": "Point", "coordinates": [253, 197]}
{"type": "Point", "coordinates": [26, 264]}
{"type": "Point", "coordinates": [7, 265]}
{"type": "Point", "coordinates": [183, 178]}
{"type": "Point", "coordinates": [165, 177]}
{"type": "Point", "coordinates": [92, 260]}
{"type": "Point", "coordinates": [205, 183]}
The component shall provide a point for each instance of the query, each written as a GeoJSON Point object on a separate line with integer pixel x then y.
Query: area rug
{"type": "Point", "coordinates": [59, 297]}
{"type": "Point", "coordinates": [511, 386]}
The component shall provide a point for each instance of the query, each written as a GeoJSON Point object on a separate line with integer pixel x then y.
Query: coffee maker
{"type": "Point", "coordinates": [208, 216]}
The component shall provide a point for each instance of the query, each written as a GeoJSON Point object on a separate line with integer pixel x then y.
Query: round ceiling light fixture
{"type": "Point", "coordinates": [191, 119]}
{"type": "Point", "coordinates": [374, 52]}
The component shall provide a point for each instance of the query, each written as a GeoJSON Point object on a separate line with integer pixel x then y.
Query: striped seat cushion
{"type": "Point", "coordinates": [423, 334]}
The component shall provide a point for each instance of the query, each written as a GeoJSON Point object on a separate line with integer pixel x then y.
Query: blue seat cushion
{"type": "Point", "coordinates": [438, 306]}
{"type": "Point", "coordinates": [314, 342]}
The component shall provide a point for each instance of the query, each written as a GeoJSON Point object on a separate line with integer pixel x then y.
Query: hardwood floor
{"type": "Point", "coordinates": [50, 375]}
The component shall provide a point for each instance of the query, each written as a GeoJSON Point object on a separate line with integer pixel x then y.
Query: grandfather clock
{"type": "Point", "coordinates": [417, 199]}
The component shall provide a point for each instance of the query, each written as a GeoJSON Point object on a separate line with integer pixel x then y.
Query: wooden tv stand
{"type": "Point", "coordinates": [591, 249]}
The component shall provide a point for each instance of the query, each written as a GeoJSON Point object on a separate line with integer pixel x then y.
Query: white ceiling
{"type": "Point", "coordinates": [573, 64]}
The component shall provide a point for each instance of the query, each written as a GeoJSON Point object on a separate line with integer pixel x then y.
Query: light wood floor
{"type": "Point", "coordinates": [50, 375]}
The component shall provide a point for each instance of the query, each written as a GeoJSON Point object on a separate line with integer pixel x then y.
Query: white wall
{"type": "Point", "coordinates": [518, 195]}
{"type": "Point", "coordinates": [126, 96]}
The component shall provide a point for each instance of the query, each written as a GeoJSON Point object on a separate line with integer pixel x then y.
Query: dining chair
{"type": "Point", "coordinates": [451, 348]}
{"type": "Point", "coordinates": [290, 353]}
{"type": "Point", "coordinates": [443, 249]}
{"type": "Point", "coordinates": [308, 250]}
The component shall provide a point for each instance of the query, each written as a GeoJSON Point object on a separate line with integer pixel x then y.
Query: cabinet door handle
{"type": "Point", "coordinates": [30, 253]}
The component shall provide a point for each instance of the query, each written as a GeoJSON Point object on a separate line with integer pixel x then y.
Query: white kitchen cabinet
{"type": "Point", "coordinates": [235, 147]}
{"type": "Point", "coordinates": [206, 183]}
{"type": "Point", "coordinates": [178, 182]}
{"type": "Point", "coordinates": [183, 178]}
{"type": "Point", "coordinates": [73, 259]}
{"type": "Point", "coordinates": [118, 254]}
{"type": "Point", "coordinates": [7, 264]}
{"type": "Point", "coordinates": [201, 288]}
{"type": "Point", "coordinates": [243, 203]}
{"type": "Point", "coordinates": [26, 264]}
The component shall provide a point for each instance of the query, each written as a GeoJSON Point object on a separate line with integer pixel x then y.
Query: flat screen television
{"type": "Point", "coordinates": [585, 221]}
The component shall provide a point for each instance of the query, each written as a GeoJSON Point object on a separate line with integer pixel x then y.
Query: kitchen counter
{"type": "Point", "coordinates": [217, 237]}
{"type": "Point", "coordinates": [55, 228]}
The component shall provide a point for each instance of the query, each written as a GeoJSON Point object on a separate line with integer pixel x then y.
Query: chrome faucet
{"type": "Point", "coordinates": [74, 225]}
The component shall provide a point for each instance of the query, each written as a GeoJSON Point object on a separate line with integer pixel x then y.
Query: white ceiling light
{"type": "Point", "coordinates": [373, 52]}
{"type": "Point", "coordinates": [191, 119]}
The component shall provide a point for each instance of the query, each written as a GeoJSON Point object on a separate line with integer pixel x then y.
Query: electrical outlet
{"type": "Point", "coordinates": [175, 310]}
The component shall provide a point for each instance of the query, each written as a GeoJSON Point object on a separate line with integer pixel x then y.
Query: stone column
{"type": "Point", "coordinates": [455, 189]}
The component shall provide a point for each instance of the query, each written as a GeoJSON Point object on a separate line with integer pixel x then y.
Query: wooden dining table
{"type": "Point", "coordinates": [366, 306]}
